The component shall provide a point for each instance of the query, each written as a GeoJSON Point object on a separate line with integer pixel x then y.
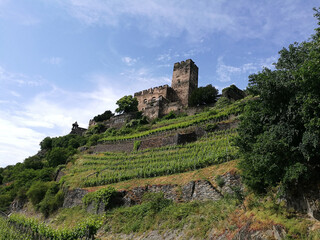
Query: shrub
{"type": "Point", "coordinates": [204, 95]}
{"type": "Point", "coordinates": [220, 181]}
{"type": "Point", "coordinates": [51, 202]}
{"type": "Point", "coordinates": [57, 156]}
{"type": "Point", "coordinates": [156, 201]}
{"type": "Point", "coordinates": [37, 192]}
{"type": "Point", "coordinates": [105, 195]}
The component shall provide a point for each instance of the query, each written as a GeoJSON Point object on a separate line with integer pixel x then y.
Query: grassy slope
{"type": "Point", "coordinates": [195, 219]}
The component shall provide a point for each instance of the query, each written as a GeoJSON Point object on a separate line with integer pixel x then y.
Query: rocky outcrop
{"type": "Point", "coordinates": [17, 205]}
{"type": "Point", "coordinates": [74, 197]}
{"type": "Point", "coordinates": [199, 190]}
{"type": "Point", "coordinates": [305, 200]}
{"type": "Point", "coordinates": [246, 233]}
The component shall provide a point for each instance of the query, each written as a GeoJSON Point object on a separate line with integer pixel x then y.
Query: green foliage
{"type": "Point", "coordinates": [9, 231]}
{"type": "Point", "coordinates": [46, 144]}
{"type": "Point", "coordinates": [37, 192]}
{"type": "Point", "coordinates": [156, 201]}
{"type": "Point", "coordinates": [33, 162]}
{"type": "Point", "coordinates": [171, 115]}
{"type": "Point", "coordinates": [196, 218]}
{"type": "Point", "coordinates": [127, 104]}
{"type": "Point", "coordinates": [279, 132]}
{"type": "Point", "coordinates": [203, 95]}
{"type": "Point", "coordinates": [177, 123]}
{"type": "Point", "coordinates": [210, 127]}
{"type": "Point", "coordinates": [104, 116]}
{"type": "Point", "coordinates": [93, 140]}
{"type": "Point", "coordinates": [220, 181]}
{"type": "Point", "coordinates": [52, 201]}
{"type": "Point", "coordinates": [116, 166]}
{"type": "Point", "coordinates": [136, 145]}
{"type": "Point", "coordinates": [222, 102]}
{"type": "Point", "coordinates": [57, 156]}
{"type": "Point", "coordinates": [105, 195]}
{"type": "Point", "coordinates": [85, 229]}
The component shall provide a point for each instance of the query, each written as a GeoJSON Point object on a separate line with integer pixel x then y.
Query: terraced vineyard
{"type": "Point", "coordinates": [109, 167]}
{"type": "Point", "coordinates": [9, 232]}
{"type": "Point", "coordinates": [214, 115]}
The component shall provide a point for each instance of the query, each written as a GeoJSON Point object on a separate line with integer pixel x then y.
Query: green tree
{"type": "Point", "coordinates": [127, 104]}
{"type": "Point", "coordinates": [57, 156]}
{"type": "Point", "coordinates": [279, 133]}
{"type": "Point", "coordinates": [203, 96]}
{"type": "Point", "coordinates": [46, 144]}
{"type": "Point", "coordinates": [104, 116]}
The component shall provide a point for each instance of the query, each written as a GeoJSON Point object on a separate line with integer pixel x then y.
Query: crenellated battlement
{"type": "Point", "coordinates": [182, 64]}
{"type": "Point", "coordinates": [152, 90]}
{"type": "Point", "coordinates": [154, 102]}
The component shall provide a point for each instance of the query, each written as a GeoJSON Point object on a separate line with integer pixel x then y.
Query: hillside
{"type": "Point", "coordinates": [188, 188]}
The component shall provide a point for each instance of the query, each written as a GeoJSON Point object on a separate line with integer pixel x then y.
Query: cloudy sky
{"type": "Point", "coordinates": [63, 61]}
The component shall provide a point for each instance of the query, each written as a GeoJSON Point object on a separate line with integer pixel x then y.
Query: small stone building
{"type": "Point", "coordinates": [159, 101]}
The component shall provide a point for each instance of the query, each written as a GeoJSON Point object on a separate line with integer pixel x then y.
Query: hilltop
{"type": "Point", "coordinates": [243, 165]}
{"type": "Point", "coordinates": [187, 186]}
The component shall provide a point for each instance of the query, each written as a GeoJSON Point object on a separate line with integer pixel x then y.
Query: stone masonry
{"type": "Point", "coordinates": [159, 101]}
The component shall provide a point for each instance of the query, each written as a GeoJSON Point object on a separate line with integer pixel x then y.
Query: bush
{"type": "Point", "coordinates": [33, 162]}
{"type": "Point", "coordinates": [57, 156]}
{"type": "Point", "coordinates": [37, 192]}
{"type": "Point", "coordinates": [51, 202]}
{"type": "Point", "coordinates": [220, 181]}
{"type": "Point", "coordinates": [156, 201]}
{"type": "Point", "coordinates": [105, 195]}
{"type": "Point", "coordinates": [203, 96]}
{"type": "Point", "coordinates": [104, 116]}
{"type": "Point", "coordinates": [46, 144]}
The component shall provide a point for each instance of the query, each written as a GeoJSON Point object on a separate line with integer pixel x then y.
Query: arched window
{"type": "Point", "coordinates": [153, 99]}
{"type": "Point", "coordinates": [145, 101]}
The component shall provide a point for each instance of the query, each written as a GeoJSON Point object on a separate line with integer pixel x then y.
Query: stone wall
{"type": "Point", "coordinates": [184, 80]}
{"type": "Point", "coordinates": [146, 97]}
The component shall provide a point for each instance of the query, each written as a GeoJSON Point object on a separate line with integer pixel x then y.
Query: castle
{"type": "Point", "coordinates": [159, 101]}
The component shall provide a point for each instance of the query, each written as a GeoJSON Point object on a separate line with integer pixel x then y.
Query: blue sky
{"type": "Point", "coordinates": [63, 61]}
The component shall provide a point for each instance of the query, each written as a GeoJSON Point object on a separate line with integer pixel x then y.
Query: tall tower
{"type": "Point", "coordinates": [184, 80]}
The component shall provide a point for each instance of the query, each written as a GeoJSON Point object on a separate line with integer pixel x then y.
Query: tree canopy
{"type": "Point", "coordinates": [203, 96]}
{"type": "Point", "coordinates": [279, 133]}
{"type": "Point", "coordinates": [104, 116]}
{"type": "Point", "coordinates": [127, 104]}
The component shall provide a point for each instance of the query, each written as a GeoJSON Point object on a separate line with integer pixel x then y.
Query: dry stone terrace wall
{"type": "Point", "coordinates": [200, 190]}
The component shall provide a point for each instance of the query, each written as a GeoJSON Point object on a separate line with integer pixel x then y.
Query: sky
{"type": "Point", "coordinates": [63, 61]}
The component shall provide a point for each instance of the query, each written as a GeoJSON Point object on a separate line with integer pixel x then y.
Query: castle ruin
{"type": "Point", "coordinates": [159, 101]}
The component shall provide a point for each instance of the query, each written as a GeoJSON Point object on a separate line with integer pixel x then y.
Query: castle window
{"type": "Point", "coordinates": [160, 97]}
{"type": "Point", "coordinates": [178, 80]}
{"type": "Point", "coordinates": [142, 109]}
{"type": "Point", "coordinates": [145, 101]}
{"type": "Point", "coordinates": [153, 99]}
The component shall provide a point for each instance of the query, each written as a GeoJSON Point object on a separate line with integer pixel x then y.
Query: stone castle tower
{"type": "Point", "coordinates": [184, 80]}
{"type": "Point", "coordinates": [158, 101]}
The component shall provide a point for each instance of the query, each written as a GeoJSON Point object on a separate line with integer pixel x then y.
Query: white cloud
{"type": "Point", "coordinates": [129, 61]}
{"type": "Point", "coordinates": [18, 79]}
{"type": "Point", "coordinates": [198, 19]}
{"type": "Point", "coordinates": [227, 73]}
{"type": "Point", "coordinates": [49, 112]}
